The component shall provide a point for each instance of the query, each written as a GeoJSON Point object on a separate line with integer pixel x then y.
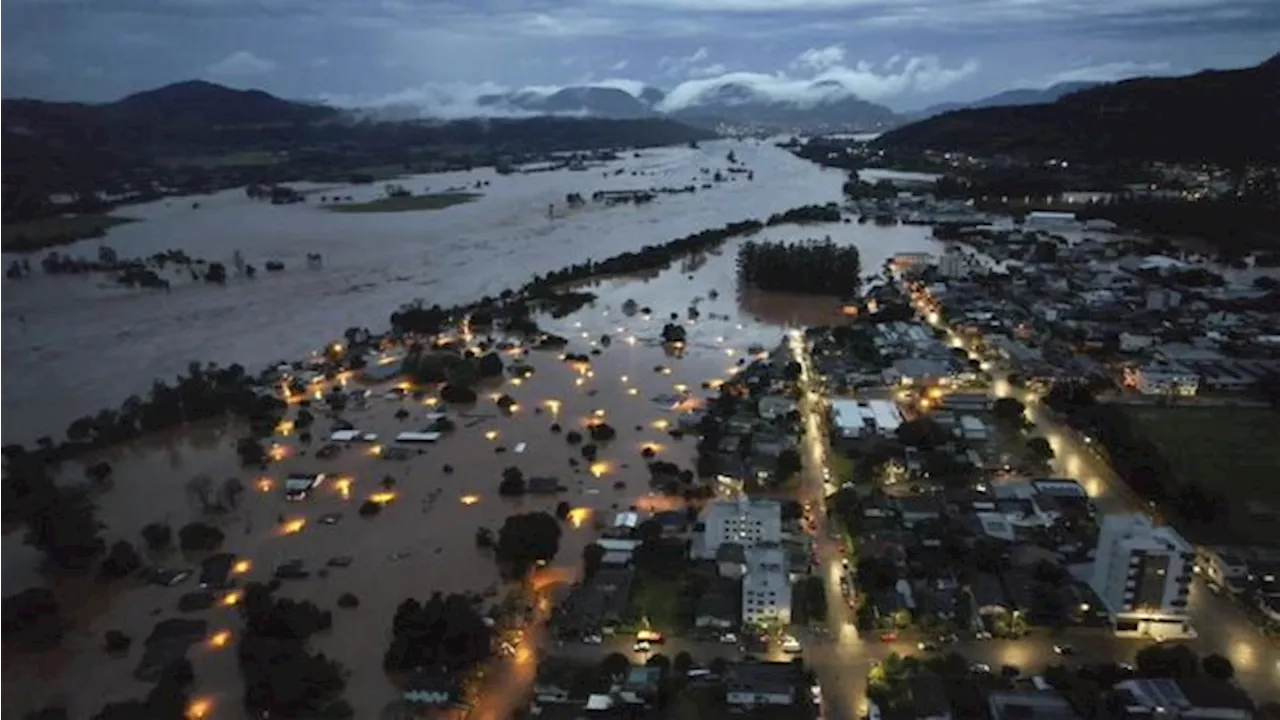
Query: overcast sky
{"type": "Point", "coordinates": [903, 53]}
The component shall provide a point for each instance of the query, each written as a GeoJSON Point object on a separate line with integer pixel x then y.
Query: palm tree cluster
{"type": "Point", "coordinates": [814, 267]}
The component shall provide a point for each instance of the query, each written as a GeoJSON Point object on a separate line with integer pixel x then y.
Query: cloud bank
{"type": "Point", "coordinates": [815, 76]}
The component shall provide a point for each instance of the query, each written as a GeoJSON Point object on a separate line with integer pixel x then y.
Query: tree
{"type": "Point", "coordinates": [121, 560]}
{"type": "Point", "coordinates": [563, 509]}
{"type": "Point", "coordinates": [64, 526]}
{"type": "Point", "coordinates": [614, 665]}
{"type": "Point", "coordinates": [1040, 448]}
{"type": "Point", "coordinates": [231, 491]}
{"type": "Point", "coordinates": [922, 432]}
{"type": "Point", "coordinates": [1218, 667]}
{"type": "Point", "coordinates": [99, 472]}
{"type": "Point", "coordinates": [280, 676]}
{"type": "Point", "coordinates": [33, 619]}
{"type": "Point", "coordinates": [444, 632]}
{"type": "Point", "coordinates": [116, 642]}
{"type": "Point", "coordinates": [1009, 411]}
{"type": "Point", "coordinates": [200, 487]}
{"type": "Point", "coordinates": [512, 483]}
{"type": "Point", "coordinates": [490, 365]}
{"type": "Point", "coordinates": [1167, 661]}
{"type": "Point", "coordinates": [788, 464]}
{"type": "Point", "coordinates": [251, 452]}
{"type": "Point", "coordinates": [156, 536]}
{"type": "Point", "coordinates": [198, 536]}
{"type": "Point", "coordinates": [877, 574]}
{"type": "Point", "coordinates": [592, 555]}
{"type": "Point", "coordinates": [527, 539]}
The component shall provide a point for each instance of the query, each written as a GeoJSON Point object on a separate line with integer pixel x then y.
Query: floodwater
{"type": "Point", "coordinates": [87, 343]}
{"type": "Point", "coordinates": [423, 541]}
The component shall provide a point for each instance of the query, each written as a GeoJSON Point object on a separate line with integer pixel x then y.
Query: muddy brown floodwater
{"type": "Point", "coordinates": [423, 541]}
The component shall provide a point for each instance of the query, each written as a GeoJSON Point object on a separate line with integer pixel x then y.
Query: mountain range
{"type": "Point", "coordinates": [1021, 96]}
{"type": "Point", "coordinates": [1220, 116]}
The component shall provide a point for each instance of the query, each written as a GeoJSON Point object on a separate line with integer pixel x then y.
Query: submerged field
{"type": "Point", "coordinates": [52, 232]}
{"type": "Point", "coordinates": [1234, 451]}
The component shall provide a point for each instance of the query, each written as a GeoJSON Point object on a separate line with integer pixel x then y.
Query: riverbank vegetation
{"type": "Point", "coordinates": [813, 267]}
{"type": "Point", "coordinates": [405, 203]}
{"type": "Point", "coordinates": [58, 230]}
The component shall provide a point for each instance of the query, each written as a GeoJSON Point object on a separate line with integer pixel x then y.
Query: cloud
{"type": "Point", "coordinates": [620, 65]}
{"type": "Point", "coordinates": [820, 59]}
{"type": "Point", "coordinates": [690, 65]}
{"type": "Point", "coordinates": [1107, 72]}
{"type": "Point", "coordinates": [241, 63]}
{"type": "Point", "coordinates": [925, 74]}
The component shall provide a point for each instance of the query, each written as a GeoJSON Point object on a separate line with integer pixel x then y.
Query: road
{"type": "Point", "coordinates": [1224, 627]}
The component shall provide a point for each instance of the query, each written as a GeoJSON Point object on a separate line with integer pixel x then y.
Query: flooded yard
{"type": "Point", "coordinates": [423, 540]}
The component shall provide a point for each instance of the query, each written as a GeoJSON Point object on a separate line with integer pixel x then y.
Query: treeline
{"type": "Point", "coordinates": [1139, 462]}
{"type": "Point", "coordinates": [1234, 226]}
{"type": "Point", "coordinates": [813, 267]}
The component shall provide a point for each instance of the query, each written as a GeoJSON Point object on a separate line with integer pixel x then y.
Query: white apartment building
{"type": "Point", "coordinates": [766, 588]}
{"type": "Point", "coordinates": [1142, 573]}
{"type": "Point", "coordinates": [744, 521]}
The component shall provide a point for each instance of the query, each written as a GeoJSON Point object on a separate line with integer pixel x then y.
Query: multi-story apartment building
{"type": "Point", "coordinates": [1142, 573]}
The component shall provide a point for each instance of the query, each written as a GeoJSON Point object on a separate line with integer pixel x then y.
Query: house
{"type": "Point", "coordinates": [973, 429]}
{"type": "Point", "coordinates": [1133, 342]}
{"type": "Point", "coordinates": [918, 508]}
{"type": "Point", "coordinates": [430, 689]}
{"type": "Point", "coordinates": [916, 371]}
{"type": "Point", "coordinates": [542, 486]}
{"type": "Point", "coordinates": [673, 522]}
{"type": "Point", "coordinates": [772, 407]}
{"type": "Point", "coordinates": [598, 603]}
{"type": "Point", "coordinates": [1179, 699]}
{"type": "Point", "coordinates": [640, 686]}
{"type": "Point", "coordinates": [755, 684]}
{"type": "Point", "coordinates": [1162, 379]}
{"type": "Point", "coordinates": [1030, 705]}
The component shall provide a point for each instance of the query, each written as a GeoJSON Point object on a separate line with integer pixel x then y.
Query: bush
{"type": "Point", "coordinates": [198, 536]}
{"type": "Point", "coordinates": [457, 394]}
{"type": "Point", "coordinates": [369, 508]}
{"type": "Point", "coordinates": [157, 536]}
{"type": "Point", "coordinates": [33, 619]}
{"type": "Point", "coordinates": [116, 642]}
{"type": "Point", "coordinates": [573, 437]}
{"type": "Point", "coordinates": [121, 560]}
{"type": "Point", "coordinates": [603, 432]}
{"type": "Point", "coordinates": [512, 483]}
{"type": "Point", "coordinates": [490, 365]}
{"type": "Point", "coordinates": [348, 601]}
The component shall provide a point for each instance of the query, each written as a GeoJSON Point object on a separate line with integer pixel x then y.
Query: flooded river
{"type": "Point", "coordinates": [86, 346]}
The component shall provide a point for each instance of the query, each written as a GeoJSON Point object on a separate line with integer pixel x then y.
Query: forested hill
{"type": "Point", "coordinates": [1221, 116]}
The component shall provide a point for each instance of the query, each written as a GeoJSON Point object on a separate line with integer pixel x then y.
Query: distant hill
{"type": "Point", "coordinates": [602, 102]}
{"type": "Point", "coordinates": [827, 107]}
{"type": "Point", "coordinates": [1022, 96]}
{"type": "Point", "coordinates": [1223, 116]}
{"type": "Point", "coordinates": [197, 102]}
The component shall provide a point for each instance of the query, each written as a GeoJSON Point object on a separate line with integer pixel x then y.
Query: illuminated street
{"type": "Point", "coordinates": [1224, 628]}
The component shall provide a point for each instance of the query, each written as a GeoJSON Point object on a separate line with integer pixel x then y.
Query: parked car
{"type": "Point", "coordinates": [1064, 649]}
{"type": "Point", "coordinates": [592, 639]}
{"type": "Point", "coordinates": [980, 668]}
{"type": "Point", "coordinates": [642, 646]}
{"type": "Point", "coordinates": [889, 636]}
{"type": "Point", "coordinates": [927, 646]}
{"type": "Point", "coordinates": [729, 639]}
{"type": "Point", "coordinates": [791, 645]}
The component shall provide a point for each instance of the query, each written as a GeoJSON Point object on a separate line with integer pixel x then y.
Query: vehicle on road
{"type": "Point", "coordinates": [729, 639]}
{"type": "Point", "coordinates": [889, 636]}
{"type": "Point", "coordinates": [926, 646]}
{"type": "Point", "coordinates": [791, 645]}
{"type": "Point", "coordinates": [592, 640]}
{"type": "Point", "coordinates": [651, 636]}
{"type": "Point", "coordinates": [1064, 649]}
{"type": "Point", "coordinates": [642, 646]}
{"type": "Point", "coordinates": [979, 667]}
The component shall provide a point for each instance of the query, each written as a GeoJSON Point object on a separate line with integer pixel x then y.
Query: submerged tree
{"type": "Point", "coordinates": [815, 267]}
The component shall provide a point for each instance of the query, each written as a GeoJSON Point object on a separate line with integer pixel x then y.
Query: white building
{"type": "Point", "coordinates": [1045, 219]}
{"type": "Point", "coordinates": [865, 418]}
{"type": "Point", "coordinates": [955, 264]}
{"type": "Point", "coordinates": [1163, 379]}
{"type": "Point", "coordinates": [766, 588]}
{"type": "Point", "coordinates": [1142, 573]}
{"type": "Point", "coordinates": [745, 522]}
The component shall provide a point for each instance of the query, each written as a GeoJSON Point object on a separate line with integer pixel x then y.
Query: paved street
{"type": "Point", "coordinates": [1223, 626]}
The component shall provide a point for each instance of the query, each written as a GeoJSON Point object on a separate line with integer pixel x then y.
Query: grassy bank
{"type": "Point", "coordinates": [437, 201]}
{"type": "Point", "coordinates": [1233, 451]}
{"type": "Point", "coordinates": [52, 232]}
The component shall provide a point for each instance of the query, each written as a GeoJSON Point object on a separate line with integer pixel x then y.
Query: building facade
{"type": "Point", "coordinates": [1142, 573]}
{"type": "Point", "coordinates": [745, 522]}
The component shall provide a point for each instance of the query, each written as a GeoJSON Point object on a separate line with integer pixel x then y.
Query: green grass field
{"type": "Point", "coordinates": [51, 232]}
{"type": "Point", "coordinates": [437, 201]}
{"type": "Point", "coordinates": [1233, 450]}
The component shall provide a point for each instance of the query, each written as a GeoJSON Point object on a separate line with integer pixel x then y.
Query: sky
{"type": "Point", "coordinates": [442, 54]}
